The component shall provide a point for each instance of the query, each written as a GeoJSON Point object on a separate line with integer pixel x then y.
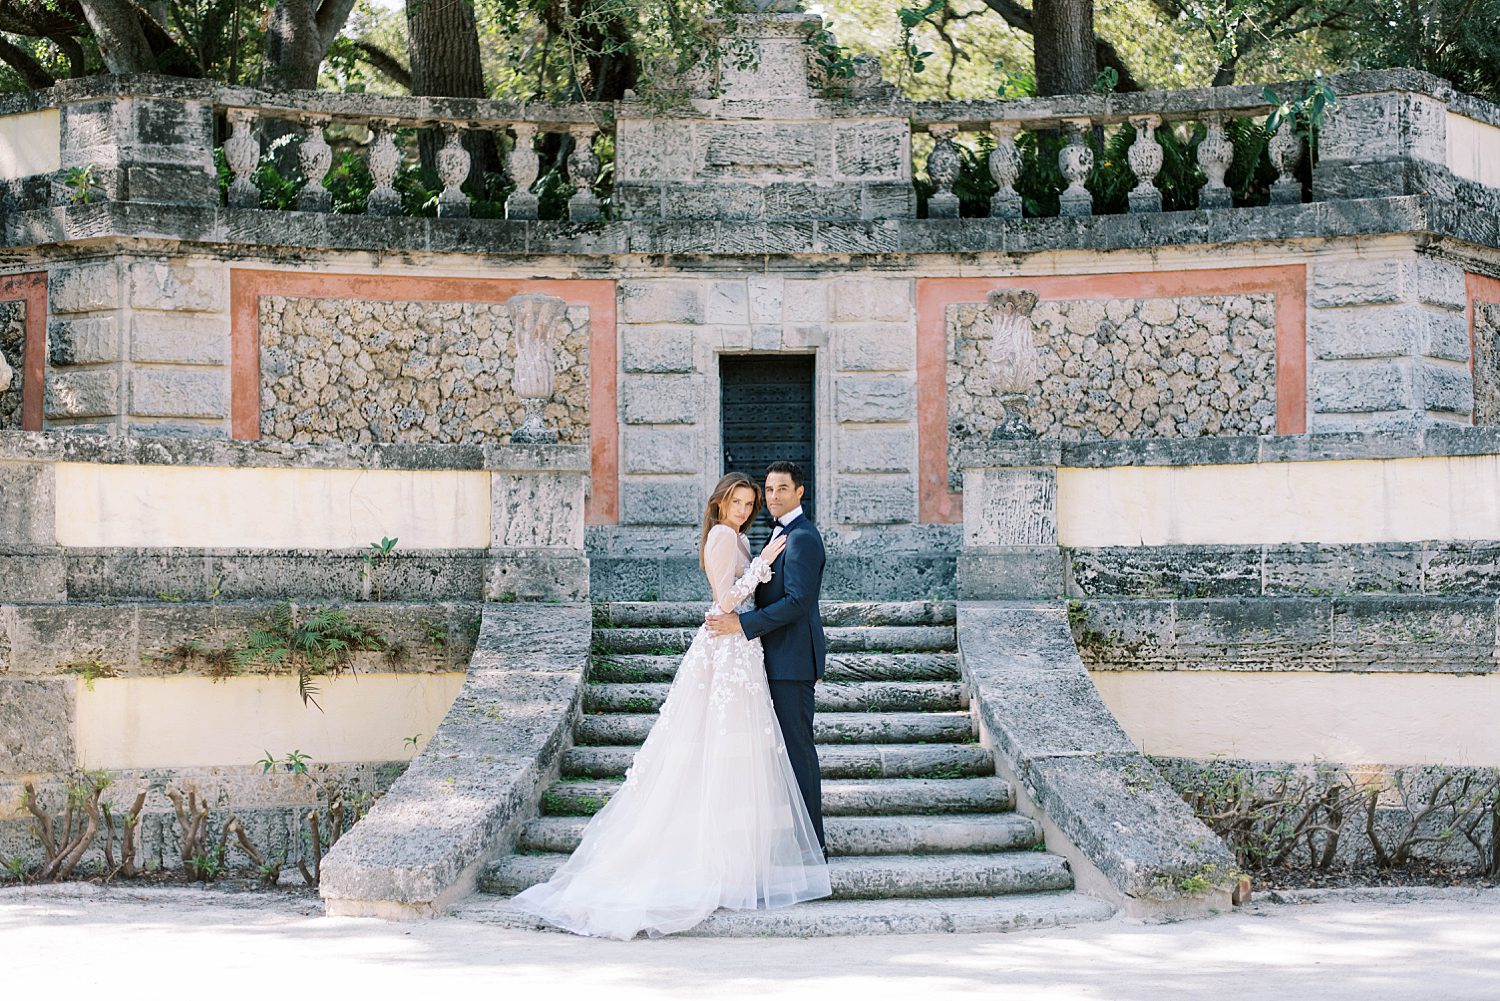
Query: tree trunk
{"type": "Point", "coordinates": [299, 33]}
{"type": "Point", "coordinates": [445, 63]}
{"type": "Point", "coordinates": [1064, 47]}
{"type": "Point", "coordinates": [122, 40]}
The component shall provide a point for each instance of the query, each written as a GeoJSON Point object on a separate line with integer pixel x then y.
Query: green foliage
{"type": "Point", "coordinates": [374, 558]}
{"type": "Point", "coordinates": [82, 184]}
{"type": "Point", "coordinates": [323, 642]}
{"type": "Point", "coordinates": [295, 762]}
{"type": "Point", "coordinates": [1458, 40]}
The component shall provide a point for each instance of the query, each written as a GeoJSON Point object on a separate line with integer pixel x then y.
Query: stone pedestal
{"type": "Point", "coordinates": [1010, 521]}
{"type": "Point", "coordinates": [1380, 145]}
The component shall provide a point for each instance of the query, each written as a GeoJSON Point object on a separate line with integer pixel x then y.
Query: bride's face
{"type": "Point", "coordinates": [735, 509]}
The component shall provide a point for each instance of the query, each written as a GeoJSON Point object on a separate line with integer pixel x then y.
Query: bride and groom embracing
{"type": "Point", "coordinates": [722, 806]}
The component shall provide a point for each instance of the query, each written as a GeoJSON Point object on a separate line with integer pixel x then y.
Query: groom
{"type": "Point", "coordinates": [787, 620]}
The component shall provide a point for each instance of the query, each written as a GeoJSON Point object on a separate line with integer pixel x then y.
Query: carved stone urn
{"type": "Point", "coordinates": [534, 321]}
{"type": "Point", "coordinates": [1013, 363]}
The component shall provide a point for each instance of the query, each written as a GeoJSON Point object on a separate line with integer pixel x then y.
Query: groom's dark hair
{"type": "Point", "coordinates": [799, 478]}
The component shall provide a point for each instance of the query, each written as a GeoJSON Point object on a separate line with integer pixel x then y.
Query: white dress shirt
{"type": "Point", "coordinates": [786, 519]}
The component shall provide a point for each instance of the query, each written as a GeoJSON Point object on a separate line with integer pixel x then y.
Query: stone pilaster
{"type": "Point", "coordinates": [1387, 344]}
{"type": "Point", "coordinates": [155, 150]}
{"type": "Point", "coordinates": [1379, 145]}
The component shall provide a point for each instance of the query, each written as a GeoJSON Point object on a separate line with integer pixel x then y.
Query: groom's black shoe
{"type": "Point", "coordinates": [825, 855]}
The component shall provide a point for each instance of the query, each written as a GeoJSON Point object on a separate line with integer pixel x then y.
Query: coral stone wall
{"type": "Point", "coordinates": [12, 346]}
{"type": "Point", "coordinates": [361, 371]}
{"type": "Point", "coordinates": [1487, 362]}
{"type": "Point", "coordinates": [1125, 368]}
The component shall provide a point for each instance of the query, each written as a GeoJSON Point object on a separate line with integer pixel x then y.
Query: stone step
{"type": "Point", "coordinates": [857, 696]}
{"type": "Point", "coordinates": [841, 798]}
{"type": "Point", "coordinates": [646, 667]}
{"type": "Point", "coordinates": [635, 614]}
{"type": "Point", "coordinates": [861, 877]}
{"type": "Point", "coordinates": [841, 639]}
{"type": "Point", "coordinates": [600, 729]}
{"type": "Point", "coordinates": [888, 835]}
{"type": "Point", "coordinates": [839, 761]}
{"type": "Point", "coordinates": [819, 918]}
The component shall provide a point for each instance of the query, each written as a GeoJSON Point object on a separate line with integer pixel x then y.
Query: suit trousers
{"type": "Point", "coordinates": [793, 702]}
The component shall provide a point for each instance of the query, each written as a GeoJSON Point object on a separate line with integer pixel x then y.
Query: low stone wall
{"type": "Point", "coordinates": [1127, 835]}
{"type": "Point", "coordinates": [479, 778]}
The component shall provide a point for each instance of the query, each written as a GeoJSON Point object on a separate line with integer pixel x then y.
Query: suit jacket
{"type": "Point", "coordinates": [786, 616]}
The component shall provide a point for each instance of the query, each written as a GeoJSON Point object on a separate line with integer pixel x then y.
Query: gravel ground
{"type": "Point", "coordinates": [1321, 945]}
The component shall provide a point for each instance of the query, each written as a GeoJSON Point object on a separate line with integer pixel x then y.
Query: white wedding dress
{"type": "Point", "coordinates": [710, 814]}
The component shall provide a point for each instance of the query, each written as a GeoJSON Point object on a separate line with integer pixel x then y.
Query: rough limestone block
{"type": "Point", "coordinates": [660, 501]}
{"type": "Point", "coordinates": [162, 392]}
{"type": "Point", "coordinates": [1447, 390]}
{"type": "Point", "coordinates": [662, 301]}
{"type": "Point", "coordinates": [184, 339]}
{"type": "Point", "coordinates": [1370, 331]}
{"type": "Point", "coordinates": [534, 511]}
{"type": "Point", "coordinates": [875, 399]}
{"type": "Point", "coordinates": [177, 285]}
{"type": "Point", "coordinates": [36, 726]}
{"type": "Point", "coordinates": [766, 337]}
{"type": "Point", "coordinates": [877, 451]}
{"type": "Point", "coordinates": [1010, 507]}
{"type": "Point", "coordinates": [657, 349]}
{"type": "Point", "coordinates": [804, 336]}
{"type": "Point", "coordinates": [462, 800]}
{"type": "Point", "coordinates": [1441, 283]}
{"type": "Point", "coordinates": [83, 340]}
{"type": "Point", "coordinates": [525, 576]}
{"type": "Point", "coordinates": [764, 149]}
{"type": "Point", "coordinates": [1010, 572]}
{"type": "Point", "coordinates": [1354, 283]}
{"type": "Point", "coordinates": [654, 150]}
{"type": "Point", "coordinates": [661, 450]}
{"type": "Point", "coordinates": [94, 393]}
{"type": "Point", "coordinates": [876, 500]}
{"type": "Point", "coordinates": [804, 301]}
{"type": "Point", "coordinates": [888, 200]}
{"type": "Point", "coordinates": [765, 292]}
{"type": "Point", "coordinates": [1445, 335]}
{"type": "Point", "coordinates": [47, 639]}
{"type": "Point", "coordinates": [79, 288]}
{"type": "Point", "coordinates": [873, 150]}
{"type": "Point", "coordinates": [1361, 387]}
{"type": "Point", "coordinates": [804, 200]}
{"type": "Point", "coordinates": [876, 347]}
{"type": "Point", "coordinates": [728, 303]}
{"type": "Point", "coordinates": [28, 504]}
{"type": "Point", "coordinates": [714, 199]}
{"type": "Point", "coordinates": [1044, 716]}
{"type": "Point", "coordinates": [871, 299]}
{"type": "Point", "coordinates": [661, 399]}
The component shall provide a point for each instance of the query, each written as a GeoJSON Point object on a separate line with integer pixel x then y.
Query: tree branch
{"type": "Point", "coordinates": [32, 72]}
{"type": "Point", "coordinates": [1021, 19]}
{"type": "Point", "coordinates": [384, 63]}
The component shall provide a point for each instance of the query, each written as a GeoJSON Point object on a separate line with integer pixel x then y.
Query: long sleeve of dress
{"type": "Point", "coordinates": [721, 557]}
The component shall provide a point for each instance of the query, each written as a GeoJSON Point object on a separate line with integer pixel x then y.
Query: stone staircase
{"type": "Point", "coordinates": [922, 834]}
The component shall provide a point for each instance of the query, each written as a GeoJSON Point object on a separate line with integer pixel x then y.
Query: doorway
{"type": "Point", "coordinates": [766, 412]}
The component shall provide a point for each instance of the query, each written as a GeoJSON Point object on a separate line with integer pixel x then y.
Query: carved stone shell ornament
{"type": "Point", "coordinates": [534, 321]}
{"type": "Point", "coordinates": [1014, 366]}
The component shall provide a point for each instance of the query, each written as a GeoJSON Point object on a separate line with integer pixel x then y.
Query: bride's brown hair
{"type": "Point", "coordinates": [713, 511]}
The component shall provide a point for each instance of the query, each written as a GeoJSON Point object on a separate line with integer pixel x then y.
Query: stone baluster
{"type": "Point", "coordinates": [1005, 168]}
{"type": "Point", "coordinates": [314, 156]}
{"type": "Point", "coordinates": [453, 170]}
{"type": "Point", "coordinates": [943, 166]}
{"type": "Point", "coordinates": [1075, 160]}
{"type": "Point", "coordinates": [1146, 159]}
{"type": "Point", "coordinates": [583, 171]}
{"type": "Point", "coordinates": [242, 154]}
{"type": "Point", "coordinates": [1215, 154]}
{"type": "Point", "coordinates": [1285, 150]}
{"type": "Point", "coordinates": [524, 167]}
{"type": "Point", "coordinates": [384, 161]}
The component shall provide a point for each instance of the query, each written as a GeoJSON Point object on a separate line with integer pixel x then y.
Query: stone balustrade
{"type": "Point", "coordinates": [848, 157]}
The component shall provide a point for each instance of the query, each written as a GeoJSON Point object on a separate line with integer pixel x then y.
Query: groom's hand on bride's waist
{"type": "Point", "coordinates": [724, 625]}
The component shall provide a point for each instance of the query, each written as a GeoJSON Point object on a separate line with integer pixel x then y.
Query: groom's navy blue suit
{"type": "Point", "coordinates": [790, 627]}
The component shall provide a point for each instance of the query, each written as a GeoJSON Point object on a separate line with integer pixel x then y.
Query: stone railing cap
{"type": "Point", "coordinates": [65, 446]}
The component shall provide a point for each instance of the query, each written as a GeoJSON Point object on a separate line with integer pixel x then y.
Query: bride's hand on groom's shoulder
{"type": "Point", "coordinates": [773, 549]}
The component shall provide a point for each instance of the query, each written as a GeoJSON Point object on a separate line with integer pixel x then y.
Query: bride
{"type": "Point", "coordinates": [710, 814]}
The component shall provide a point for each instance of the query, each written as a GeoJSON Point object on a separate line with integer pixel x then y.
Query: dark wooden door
{"type": "Point", "coordinates": [767, 414]}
